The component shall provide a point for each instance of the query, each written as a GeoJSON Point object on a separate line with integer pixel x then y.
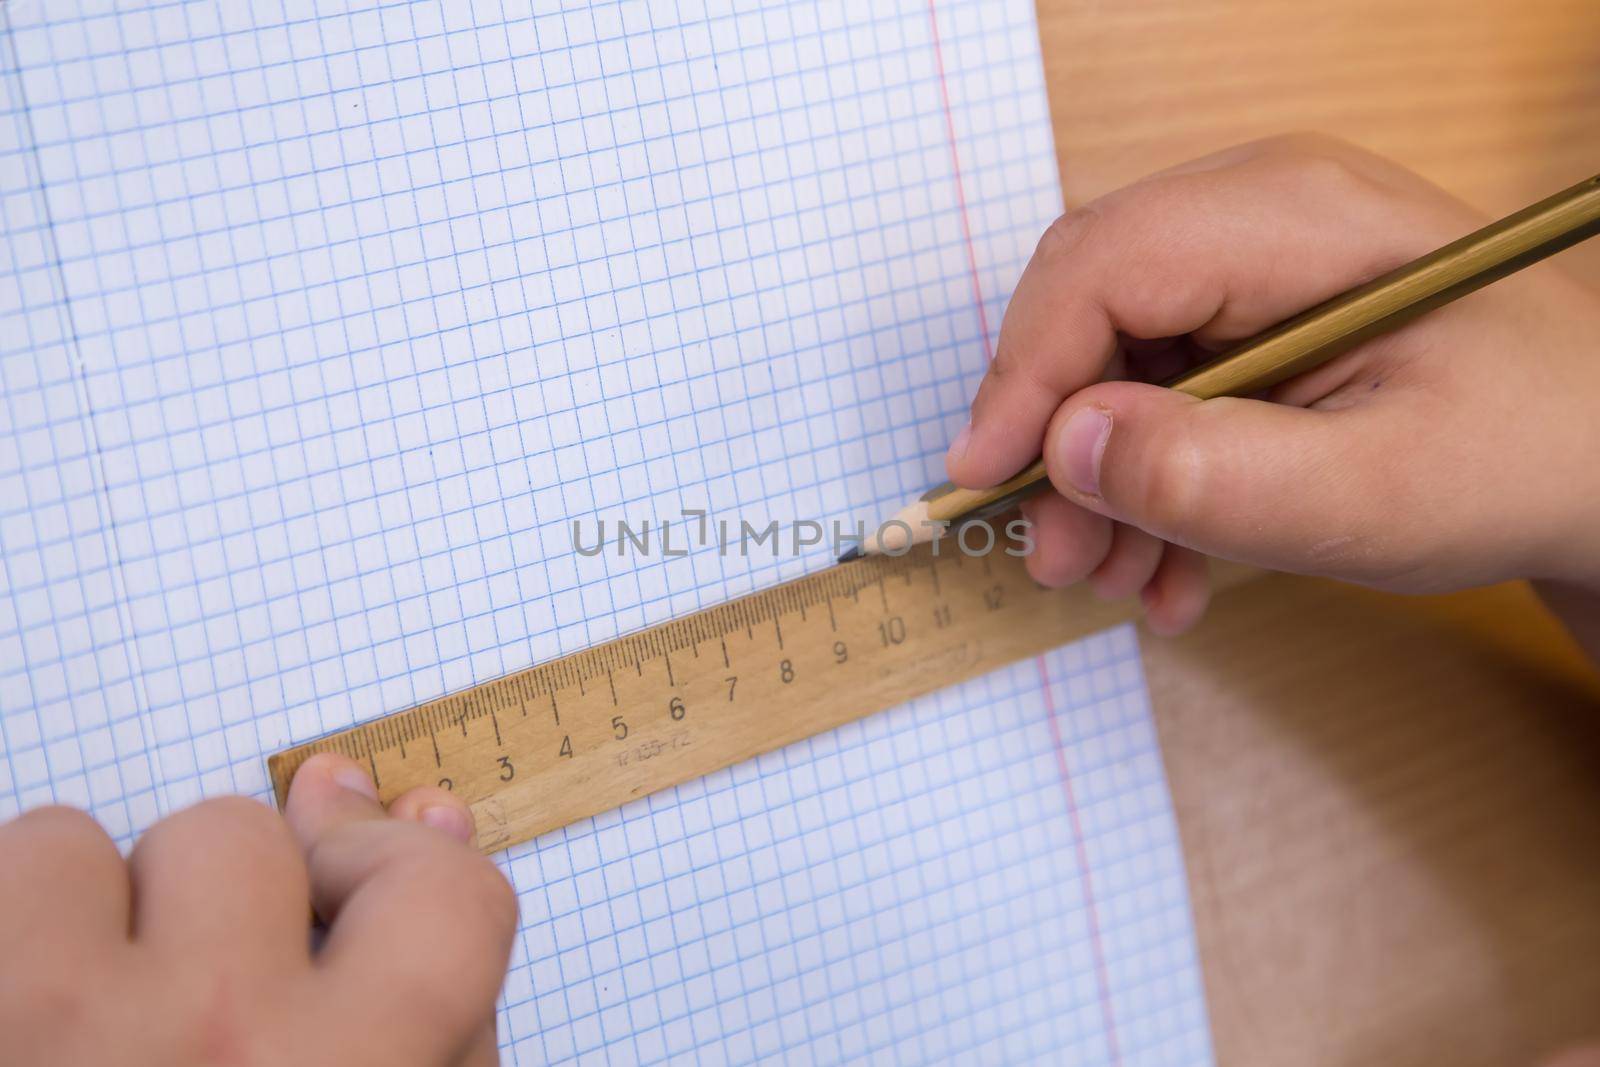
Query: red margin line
{"type": "Point", "coordinates": [1102, 978]}
{"type": "Point", "coordinates": [961, 193]}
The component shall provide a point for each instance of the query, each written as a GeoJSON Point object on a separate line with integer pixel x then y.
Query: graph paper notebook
{"type": "Point", "coordinates": [321, 322]}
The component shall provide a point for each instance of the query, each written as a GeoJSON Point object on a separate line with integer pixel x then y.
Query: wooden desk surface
{"type": "Point", "coordinates": [1498, 100]}
{"type": "Point", "coordinates": [1394, 840]}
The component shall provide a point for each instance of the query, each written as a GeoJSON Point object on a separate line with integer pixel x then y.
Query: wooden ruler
{"type": "Point", "coordinates": [535, 750]}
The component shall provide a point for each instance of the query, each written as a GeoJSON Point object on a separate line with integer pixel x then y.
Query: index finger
{"type": "Point", "coordinates": [1221, 248]}
{"type": "Point", "coordinates": [420, 923]}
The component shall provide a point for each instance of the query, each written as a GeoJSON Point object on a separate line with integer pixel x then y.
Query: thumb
{"type": "Point", "coordinates": [1265, 483]}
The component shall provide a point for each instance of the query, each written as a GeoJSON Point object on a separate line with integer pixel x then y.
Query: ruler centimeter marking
{"type": "Point", "coordinates": [535, 750]}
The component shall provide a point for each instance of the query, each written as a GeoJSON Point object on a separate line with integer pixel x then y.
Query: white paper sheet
{"type": "Point", "coordinates": [320, 323]}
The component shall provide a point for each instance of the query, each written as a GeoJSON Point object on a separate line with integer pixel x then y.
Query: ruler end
{"type": "Point", "coordinates": [280, 768]}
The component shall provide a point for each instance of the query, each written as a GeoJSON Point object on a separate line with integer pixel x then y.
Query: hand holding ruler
{"type": "Point", "coordinates": [538, 749]}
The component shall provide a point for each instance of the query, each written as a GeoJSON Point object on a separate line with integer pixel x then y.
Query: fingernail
{"type": "Point", "coordinates": [1081, 446]}
{"type": "Point", "coordinates": [357, 781]}
{"type": "Point", "coordinates": [450, 819]}
{"type": "Point", "coordinates": [958, 447]}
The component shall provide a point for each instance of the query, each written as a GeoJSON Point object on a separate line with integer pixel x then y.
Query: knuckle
{"type": "Point", "coordinates": [58, 819]}
{"type": "Point", "coordinates": [1018, 369]}
{"type": "Point", "coordinates": [59, 830]}
{"type": "Point", "coordinates": [1329, 170]}
{"type": "Point", "coordinates": [231, 808]}
{"type": "Point", "coordinates": [1302, 144]}
{"type": "Point", "coordinates": [1175, 488]}
{"type": "Point", "coordinates": [235, 815]}
{"type": "Point", "coordinates": [1063, 236]}
{"type": "Point", "coordinates": [245, 812]}
{"type": "Point", "coordinates": [257, 839]}
{"type": "Point", "coordinates": [1329, 175]}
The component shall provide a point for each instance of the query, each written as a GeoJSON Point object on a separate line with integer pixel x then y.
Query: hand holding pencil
{"type": "Point", "coordinates": [1459, 449]}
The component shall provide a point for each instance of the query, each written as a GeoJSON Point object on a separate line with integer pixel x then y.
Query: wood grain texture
{"type": "Point", "coordinates": [1497, 101]}
{"type": "Point", "coordinates": [538, 749]}
{"type": "Point", "coordinates": [1390, 811]}
{"type": "Point", "coordinates": [1390, 807]}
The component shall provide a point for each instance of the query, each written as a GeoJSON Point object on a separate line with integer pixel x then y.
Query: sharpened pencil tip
{"type": "Point", "coordinates": [854, 553]}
